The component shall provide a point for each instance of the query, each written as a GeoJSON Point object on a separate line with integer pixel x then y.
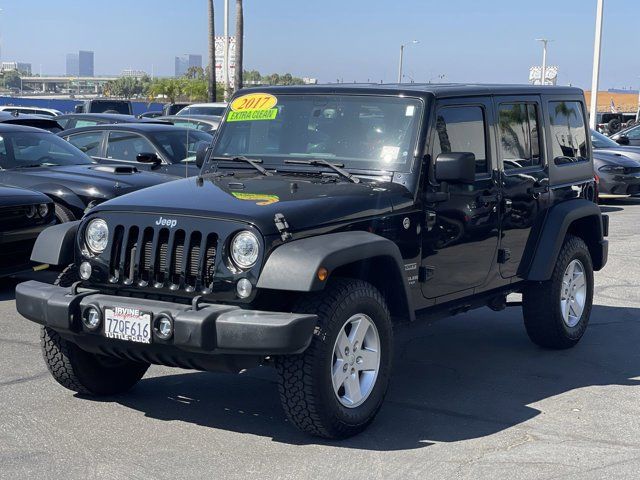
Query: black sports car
{"type": "Point", "coordinates": [618, 167]}
{"type": "Point", "coordinates": [38, 121]}
{"type": "Point", "coordinates": [39, 160]}
{"type": "Point", "coordinates": [23, 215]}
{"type": "Point", "coordinates": [77, 120]}
{"type": "Point", "coordinates": [161, 148]}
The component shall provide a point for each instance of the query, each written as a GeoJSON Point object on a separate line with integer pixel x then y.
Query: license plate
{"type": "Point", "coordinates": [129, 324]}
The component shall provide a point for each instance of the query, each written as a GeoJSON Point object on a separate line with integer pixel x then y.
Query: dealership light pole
{"type": "Point", "coordinates": [413, 42]}
{"type": "Point", "coordinates": [597, 49]}
{"type": "Point", "coordinates": [225, 73]}
{"type": "Point", "coordinates": [543, 73]}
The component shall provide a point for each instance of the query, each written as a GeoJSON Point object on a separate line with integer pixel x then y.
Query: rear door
{"type": "Point", "coordinates": [524, 174]}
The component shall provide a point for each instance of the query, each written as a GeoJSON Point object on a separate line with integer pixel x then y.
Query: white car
{"type": "Point", "coordinates": [50, 112]}
{"type": "Point", "coordinates": [216, 109]}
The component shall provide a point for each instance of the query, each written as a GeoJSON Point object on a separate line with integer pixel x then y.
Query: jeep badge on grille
{"type": "Point", "coordinates": [166, 222]}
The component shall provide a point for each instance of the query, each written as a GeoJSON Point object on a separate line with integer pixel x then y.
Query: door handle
{"type": "Point", "coordinates": [537, 189]}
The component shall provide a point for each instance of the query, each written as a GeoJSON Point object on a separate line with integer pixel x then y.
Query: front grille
{"type": "Point", "coordinates": [162, 258]}
{"type": "Point", "coordinates": [12, 218]}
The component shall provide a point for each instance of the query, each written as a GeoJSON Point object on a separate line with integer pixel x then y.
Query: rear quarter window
{"type": "Point", "coordinates": [568, 132]}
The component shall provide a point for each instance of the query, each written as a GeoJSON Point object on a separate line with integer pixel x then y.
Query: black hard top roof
{"type": "Point", "coordinates": [422, 89]}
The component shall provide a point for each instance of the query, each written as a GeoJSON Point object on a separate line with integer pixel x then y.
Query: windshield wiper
{"type": "Point", "coordinates": [333, 166]}
{"type": "Point", "coordinates": [254, 162]}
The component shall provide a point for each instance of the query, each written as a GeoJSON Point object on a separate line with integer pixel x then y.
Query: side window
{"type": "Point", "coordinates": [568, 132]}
{"type": "Point", "coordinates": [126, 146]}
{"type": "Point", "coordinates": [462, 129]}
{"type": "Point", "coordinates": [519, 140]}
{"type": "Point", "coordinates": [88, 142]}
{"type": "Point", "coordinates": [634, 133]}
{"type": "Point", "coordinates": [85, 123]}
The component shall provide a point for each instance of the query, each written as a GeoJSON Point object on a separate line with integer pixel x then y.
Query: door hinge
{"type": "Point", "coordinates": [504, 254]}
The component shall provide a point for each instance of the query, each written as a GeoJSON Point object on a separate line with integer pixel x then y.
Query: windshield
{"type": "Point", "coordinates": [204, 110]}
{"type": "Point", "coordinates": [601, 141]}
{"type": "Point", "coordinates": [358, 131]}
{"type": "Point", "coordinates": [181, 145]}
{"type": "Point", "coordinates": [28, 149]}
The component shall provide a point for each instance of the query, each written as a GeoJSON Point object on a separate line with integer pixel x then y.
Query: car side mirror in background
{"type": "Point", "coordinates": [623, 140]}
{"type": "Point", "coordinates": [456, 167]}
{"type": "Point", "coordinates": [201, 154]}
{"type": "Point", "coordinates": [151, 158]}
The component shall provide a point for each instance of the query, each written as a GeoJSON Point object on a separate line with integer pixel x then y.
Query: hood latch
{"type": "Point", "coordinates": [282, 226]}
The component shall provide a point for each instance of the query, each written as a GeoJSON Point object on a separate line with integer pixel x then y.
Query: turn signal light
{"type": "Point", "coordinates": [323, 274]}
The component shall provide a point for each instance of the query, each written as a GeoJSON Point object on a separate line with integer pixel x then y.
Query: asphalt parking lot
{"type": "Point", "coordinates": [471, 397]}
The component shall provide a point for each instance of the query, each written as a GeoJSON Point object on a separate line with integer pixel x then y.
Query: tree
{"type": "Point", "coordinates": [11, 79]}
{"type": "Point", "coordinates": [169, 88]}
{"type": "Point", "coordinates": [195, 73]}
{"type": "Point", "coordinates": [239, 45]}
{"type": "Point", "coordinates": [212, 54]}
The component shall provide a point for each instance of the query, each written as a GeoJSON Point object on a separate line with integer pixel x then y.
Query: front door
{"type": "Point", "coordinates": [460, 239]}
{"type": "Point", "coordinates": [525, 177]}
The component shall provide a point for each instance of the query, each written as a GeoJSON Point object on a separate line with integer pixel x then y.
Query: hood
{"type": "Point", "coordinates": [612, 156]}
{"type": "Point", "coordinates": [92, 180]}
{"type": "Point", "coordinates": [630, 152]}
{"type": "Point", "coordinates": [11, 197]}
{"type": "Point", "coordinates": [305, 202]}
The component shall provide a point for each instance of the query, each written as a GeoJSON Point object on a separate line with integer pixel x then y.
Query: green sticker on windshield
{"type": "Point", "coordinates": [252, 115]}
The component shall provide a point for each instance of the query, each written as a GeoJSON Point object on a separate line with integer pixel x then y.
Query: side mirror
{"type": "Point", "coordinates": [151, 158]}
{"type": "Point", "coordinates": [201, 154]}
{"type": "Point", "coordinates": [623, 140]}
{"type": "Point", "coordinates": [78, 108]}
{"type": "Point", "coordinates": [456, 167]}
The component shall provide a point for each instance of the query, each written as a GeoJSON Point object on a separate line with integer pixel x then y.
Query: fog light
{"type": "Point", "coordinates": [91, 318]}
{"type": "Point", "coordinates": [85, 270]}
{"type": "Point", "coordinates": [164, 327]}
{"type": "Point", "coordinates": [244, 288]}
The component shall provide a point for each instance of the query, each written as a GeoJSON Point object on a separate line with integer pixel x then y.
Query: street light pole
{"type": "Point", "coordinates": [543, 73]}
{"type": "Point", "coordinates": [226, 50]}
{"type": "Point", "coordinates": [595, 79]}
{"type": "Point", "coordinates": [401, 58]}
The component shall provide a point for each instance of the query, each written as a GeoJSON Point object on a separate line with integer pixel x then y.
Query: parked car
{"type": "Point", "coordinates": [150, 114]}
{"type": "Point", "coordinates": [611, 123]}
{"type": "Point", "coordinates": [49, 112]}
{"type": "Point", "coordinates": [50, 124]}
{"type": "Point", "coordinates": [628, 136]}
{"type": "Point", "coordinates": [23, 215]}
{"type": "Point", "coordinates": [161, 148]}
{"type": "Point", "coordinates": [206, 123]}
{"type": "Point", "coordinates": [100, 105]}
{"type": "Point", "coordinates": [76, 120]}
{"type": "Point", "coordinates": [39, 160]}
{"type": "Point", "coordinates": [216, 109]}
{"type": "Point", "coordinates": [618, 167]}
{"type": "Point", "coordinates": [173, 108]}
{"type": "Point", "coordinates": [319, 222]}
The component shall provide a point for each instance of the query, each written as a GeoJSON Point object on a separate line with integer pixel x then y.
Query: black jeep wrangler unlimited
{"type": "Point", "coordinates": [322, 217]}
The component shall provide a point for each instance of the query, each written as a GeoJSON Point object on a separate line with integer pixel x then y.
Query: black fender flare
{"type": "Point", "coordinates": [556, 226]}
{"type": "Point", "coordinates": [294, 266]}
{"type": "Point", "coordinates": [56, 245]}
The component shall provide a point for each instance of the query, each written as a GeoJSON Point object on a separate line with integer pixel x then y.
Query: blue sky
{"type": "Point", "coordinates": [353, 40]}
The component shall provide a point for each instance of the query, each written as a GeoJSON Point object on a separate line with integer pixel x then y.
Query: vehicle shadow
{"type": "Point", "coordinates": [456, 379]}
{"type": "Point", "coordinates": [7, 289]}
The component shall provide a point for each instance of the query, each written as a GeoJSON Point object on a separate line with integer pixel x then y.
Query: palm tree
{"type": "Point", "coordinates": [239, 45]}
{"type": "Point", "coordinates": [212, 54]}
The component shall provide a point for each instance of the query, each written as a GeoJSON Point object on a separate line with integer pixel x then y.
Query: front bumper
{"type": "Point", "coordinates": [207, 329]}
{"type": "Point", "coordinates": [619, 184]}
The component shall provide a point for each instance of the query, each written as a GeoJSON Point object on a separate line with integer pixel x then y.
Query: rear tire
{"type": "Point", "coordinates": [556, 312]}
{"type": "Point", "coordinates": [324, 391]}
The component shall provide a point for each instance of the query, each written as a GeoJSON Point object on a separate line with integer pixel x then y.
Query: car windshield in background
{"type": "Point", "coordinates": [601, 141]}
{"type": "Point", "coordinates": [27, 150]}
{"type": "Point", "coordinates": [358, 131]}
{"type": "Point", "coordinates": [202, 111]}
{"type": "Point", "coordinates": [182, 145]}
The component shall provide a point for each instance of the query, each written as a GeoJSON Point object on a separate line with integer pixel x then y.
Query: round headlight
{"type": "Point", "coordinates": [43, 210]}
{"type": "Point", "coordinates": [97, 235]}
{"type": "Point", "coordinates": [244, 249]}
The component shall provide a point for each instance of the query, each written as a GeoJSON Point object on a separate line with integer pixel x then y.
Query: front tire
{"type": "Point", "coordinates": [335, 388]}
{"type": "Point", "coordinates": [556, 312]}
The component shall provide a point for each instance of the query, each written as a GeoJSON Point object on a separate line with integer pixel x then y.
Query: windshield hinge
{"type": "Point", "coordinates": [282, 226]}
